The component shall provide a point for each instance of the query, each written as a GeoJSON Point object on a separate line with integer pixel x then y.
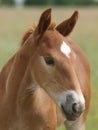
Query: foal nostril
{"type": "Point", "coordinates": [77, 108]}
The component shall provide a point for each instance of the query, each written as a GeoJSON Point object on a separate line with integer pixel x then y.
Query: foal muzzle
{"type": "Point", "coordinates": [72, 105]}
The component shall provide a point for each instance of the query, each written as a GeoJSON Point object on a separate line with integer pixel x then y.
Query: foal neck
{"type": "Point", "coordinates": [18, 69]}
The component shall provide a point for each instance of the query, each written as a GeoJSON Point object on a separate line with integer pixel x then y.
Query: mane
{"type": "Point", "coordinates": [52, 26]}
{"type": "Point", "coordinates": [26, 35]}
{"type": "Point", "coordinates": [31, 30]}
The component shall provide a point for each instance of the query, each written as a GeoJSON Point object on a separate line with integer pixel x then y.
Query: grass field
{"type": "Point", "coordinates": [13, 22]}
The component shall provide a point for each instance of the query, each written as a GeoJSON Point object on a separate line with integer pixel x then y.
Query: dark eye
{"type": "Point", "coordinates": [49, 60]}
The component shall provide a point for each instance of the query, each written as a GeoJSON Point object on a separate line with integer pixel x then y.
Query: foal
{"type": "Point", "coordinates": [47, 62]}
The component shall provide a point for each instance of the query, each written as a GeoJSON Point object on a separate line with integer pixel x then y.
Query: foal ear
{"type": "Point", "coordinates": [66, 27]}
{"type": "Point", "coordinates": [44, 22]}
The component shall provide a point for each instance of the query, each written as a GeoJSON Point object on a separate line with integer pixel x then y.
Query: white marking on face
{"type": "Point", "coordinates": [65, 49]}
{"type": "Point", "coordinates": [75, 97]}
{"type": "Point", "coordinates": [81, 98]}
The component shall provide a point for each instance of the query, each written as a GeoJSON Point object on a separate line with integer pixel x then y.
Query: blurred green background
{"type": "Point", "coordinates": [15, 20]}
{"type": "Point", "coordinates": [49, 2]}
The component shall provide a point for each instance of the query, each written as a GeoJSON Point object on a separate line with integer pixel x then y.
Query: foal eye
{"type": "Point", "coordinates": [49, 60]}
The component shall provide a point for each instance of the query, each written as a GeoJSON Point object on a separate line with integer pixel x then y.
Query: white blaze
{"type": "Point", "coordinates": [65, 49]}
{"type": "Point", "coordinates": [76, 97]}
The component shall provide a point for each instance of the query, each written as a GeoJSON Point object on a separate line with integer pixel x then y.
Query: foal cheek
{"type": "Point", "coordinates": [40, 71]}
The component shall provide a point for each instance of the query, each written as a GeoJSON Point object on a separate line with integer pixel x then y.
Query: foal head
{"type": "Point", "coordinates": [53, 65]}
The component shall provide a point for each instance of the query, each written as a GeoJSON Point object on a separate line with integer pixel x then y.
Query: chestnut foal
{"type": "Point", "coordinates": [47, 63]}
